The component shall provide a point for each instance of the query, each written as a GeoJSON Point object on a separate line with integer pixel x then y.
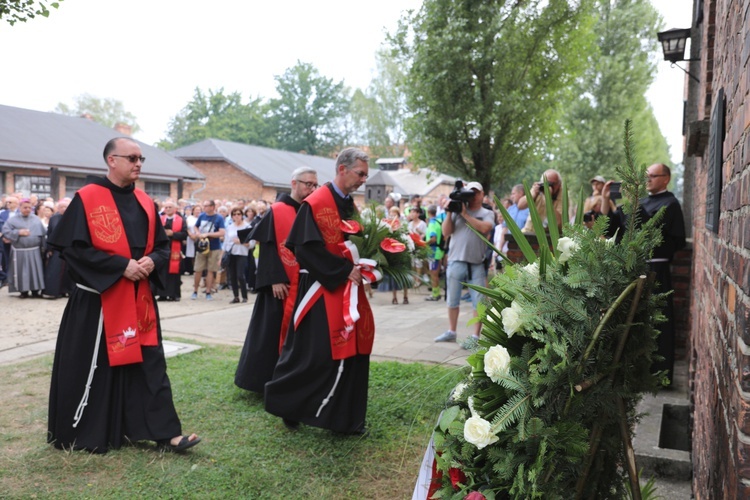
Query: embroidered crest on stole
{"type": "Point", "coordinates": [328, 221]}
{"type": "Point", "coordinates": [106, 222]}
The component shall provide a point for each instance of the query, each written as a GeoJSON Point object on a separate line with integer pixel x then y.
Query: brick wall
{"type": "Point", "coordinates": [720, 331]}
{"type": "Point", "coordinates": [225, 181]}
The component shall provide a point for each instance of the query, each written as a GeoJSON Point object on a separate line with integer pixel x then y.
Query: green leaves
{"type": "Point", "coordinates": [308, 111]}
{"type": "Point", "coordinates": [485, 81]}
{"type": "Point", "coordinates": [575, 351]}
{"type": "Point", "coordinates": [13, 11]}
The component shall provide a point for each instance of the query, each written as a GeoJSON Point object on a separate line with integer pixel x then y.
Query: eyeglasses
{"type": "Point", "coordinates": [132, 158]}
{"type": "Point", "coordinates": [362, 175]}
{"type": "Point", "coordinates": [308, 185]}
{"type": "Point", "coordinates": [653, 176]}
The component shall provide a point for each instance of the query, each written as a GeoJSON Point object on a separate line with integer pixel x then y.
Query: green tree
{"type": "Point", "coordinates": [311, 111]}
{"type": "Point", "coordinates": [107, 111]}
{"type": "Point", "coordinates": [611, 90]}
{"type": "Point", "coordinates": [13, 11]}
{"type": "Point", "coordinates": [379, 113]}
{"type": "Point", "coordinates": [217, 115]}
{"type": "Point", "coordinates": [485, 79]}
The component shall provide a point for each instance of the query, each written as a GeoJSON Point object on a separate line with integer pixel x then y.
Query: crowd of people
{"type": "Point", "coordinates": [309, 338]}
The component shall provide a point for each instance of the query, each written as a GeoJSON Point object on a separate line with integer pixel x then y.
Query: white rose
{"type": "Point", "coordinates": [496, 362]}
{"type": "Point", "coordinates": [511, 318]}
{"type": "Point", "coordinates": [566, 247]}
{"type": "Point", "coordinates": [478, 432]}
{"type": "Point", "coordinates": [532, 269]}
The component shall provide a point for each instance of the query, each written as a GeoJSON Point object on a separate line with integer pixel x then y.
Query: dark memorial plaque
{"type": "Point", "coordinates": [715, 162]}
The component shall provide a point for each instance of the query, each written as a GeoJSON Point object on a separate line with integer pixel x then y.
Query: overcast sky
{"type": "Point", "coordinates": [152, 54]}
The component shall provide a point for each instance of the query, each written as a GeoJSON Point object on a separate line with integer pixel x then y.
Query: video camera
{"type": "Point", "coordinates": [459, 196]}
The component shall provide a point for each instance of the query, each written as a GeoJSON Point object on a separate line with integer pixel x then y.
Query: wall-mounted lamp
{"type": "Point", "coordinates": [673, 44]}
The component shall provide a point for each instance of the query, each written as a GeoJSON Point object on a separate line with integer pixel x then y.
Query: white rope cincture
{"type": "Point", "coordinates": [85, 399]}
{"type": "Point", "coordinates": [333, 389]}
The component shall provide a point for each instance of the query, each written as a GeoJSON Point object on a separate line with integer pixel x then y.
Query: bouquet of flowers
{"type": "Point", "coordinates": [389, 245]}
{"type": "Point", "coordinates": [548, 404]}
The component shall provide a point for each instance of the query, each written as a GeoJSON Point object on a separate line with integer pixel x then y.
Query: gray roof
{"type": "Point", "coordinates": [272, 166]}
{"type": "Point", "coordinates": [34, 139]}
{"type": "Point", "coordinates": [407, 182]}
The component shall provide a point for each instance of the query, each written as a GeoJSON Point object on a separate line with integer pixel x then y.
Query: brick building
{"type": "Point", "coordinates": [717, 166]}
{"type": "Point", "coordinates": [49, 154]}
{"type": "Point", "coordinates": [232, 170]}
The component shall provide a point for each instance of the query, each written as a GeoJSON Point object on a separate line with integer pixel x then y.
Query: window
{"type": "Point", "coordinates": [32, 184]}
{"type": "Point", "coordinates": [157, 190]}
{"type": "Point", "coordinates": [73, 184]}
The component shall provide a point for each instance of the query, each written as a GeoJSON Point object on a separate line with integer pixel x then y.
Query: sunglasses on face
{"type": "Point", "coordinates": [132, 158]}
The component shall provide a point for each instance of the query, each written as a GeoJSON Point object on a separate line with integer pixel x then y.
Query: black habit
{"type": "Point", "coordinates": [306, 374]}
{"type": "Point", "coordinates": [673, 239]}
{"type": "Point", "coordinates": [56, 279]}
{"type": "Point", "coordinates": [173, 282]}
{"type": "Point", "coordinates": [125, 403]}
{"type": "Point", "coordinates": [261, 350]}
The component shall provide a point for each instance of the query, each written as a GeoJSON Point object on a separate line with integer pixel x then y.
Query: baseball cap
{"type": "Point", "coordinates": [597, 178]}
{"type": "Point", "coordinates": [475, 185]}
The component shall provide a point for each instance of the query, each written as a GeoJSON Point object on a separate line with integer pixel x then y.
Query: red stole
{"type": "Point", "coordinates": [129, 320]}
{"type": "Point", "coordinates": [175, 247]}
{"type": "Point", "coordinates": [283, 217]}
{"type": "Point", "coordinates": [343, 344]}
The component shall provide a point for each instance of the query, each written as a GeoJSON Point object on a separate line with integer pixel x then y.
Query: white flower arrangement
{"type": "Point", "coordinates": [496, 362]}
{"type": "Point", "coordinates": [512, 318]}
{"type": "Point", "coordinates": [566, 248]}
{"type": "Point", "coordinates": [477, 430]}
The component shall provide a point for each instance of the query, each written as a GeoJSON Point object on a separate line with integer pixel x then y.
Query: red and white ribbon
{"type": "Point", "coordinates": [351, 293]}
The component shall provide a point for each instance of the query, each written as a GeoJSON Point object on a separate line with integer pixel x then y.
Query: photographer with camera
{"type": "Point", "coordinates": [466, 252]}
{"type": "Point", "coordinates": [554, 181]}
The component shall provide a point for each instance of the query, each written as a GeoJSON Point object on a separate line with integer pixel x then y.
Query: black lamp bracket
{"type": "Point", "coordinates": [686, 71]}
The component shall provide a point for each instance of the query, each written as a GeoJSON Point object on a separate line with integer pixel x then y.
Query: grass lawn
{"type": "Point", "coordinates": [245, 453]}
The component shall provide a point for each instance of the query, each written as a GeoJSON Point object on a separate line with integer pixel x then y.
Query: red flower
{"type": "Point", "coordinates": [418, 241]}
{"type": "Point", "coordinates": [457, 476]}
{"type": "Point", "coordinates": [392, 246]}
{"type": "Point", "coordinates": [474, 495]}
{"type": "Point", "coordinates": [395, 223]}
{"type": "Point", "coordinates": [350, 226]}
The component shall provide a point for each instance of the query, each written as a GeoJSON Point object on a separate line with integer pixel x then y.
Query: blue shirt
{"type": "Point", "coordinates": [518, 216]}
{"type": "Point", "coordinates": [210, 224]}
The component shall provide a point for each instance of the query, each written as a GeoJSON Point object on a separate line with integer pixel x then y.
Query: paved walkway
{"type": "Point", "coordinates": [404, 332]}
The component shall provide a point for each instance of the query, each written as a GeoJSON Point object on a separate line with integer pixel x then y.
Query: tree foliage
{"type": "Point", "coordinates": [611, 90]}
{"type": "Point", "coordinates": [486, 79]}
{"type": "Point", "coordinates": [378, 114]}
{"type": "Point", "coordinates": [107, 111]}
{"type": "Point", "coordinates": [310, 111]}
{"type": "Point", "coordinates": [13, 11]}
{"type": "Point", "coordinates": [218, 115]}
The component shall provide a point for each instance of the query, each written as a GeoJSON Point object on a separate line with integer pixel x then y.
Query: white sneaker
{"type": "Point", "coordinates": [448, 336]}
